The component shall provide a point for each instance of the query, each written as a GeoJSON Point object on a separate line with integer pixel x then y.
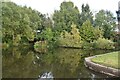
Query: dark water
{"type": "Point", "coordinates": [59, 63]}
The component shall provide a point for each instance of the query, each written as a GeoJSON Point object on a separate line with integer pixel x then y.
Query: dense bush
{"type": "Point", "coordinates": [40, 46]}
{"type": "Point", "coordinates": [103, 43]}
{"type": "Point", "coordinates": [89, 33]}
{"type": "Point", "coordinates": [70, 39]}
{"type": "Point", "coordinates": [18, 22]}
{"type": "Point", "coordinates": [73, 39]}
{"type": "Point", "coordinates": [86, 45]}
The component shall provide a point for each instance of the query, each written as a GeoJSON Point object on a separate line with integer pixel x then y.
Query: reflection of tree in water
{"type": "Point", "coordinates": [68, 62]}
{"type": "Point", "coordinates": [41, 50]}
{"type": "Point", "coordinates": [19, 65]}
{"type": "Point", "coordinates": [62, 62]}
{"type": "Point", "coordinates": [24, 63]}
{"type": "Point", "coordinates": [69, 57]}
{"type": "Point", "coordinates": [16, 53]}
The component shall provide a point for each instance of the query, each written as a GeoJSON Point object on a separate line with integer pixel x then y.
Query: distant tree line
{"type": "Point", "coordinates": [66, 27]}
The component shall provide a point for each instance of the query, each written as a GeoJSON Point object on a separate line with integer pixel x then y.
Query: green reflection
{"type": "Point", "coordinates": [22, 62]}
{"type": "Point", "coordinates": [19, 65]}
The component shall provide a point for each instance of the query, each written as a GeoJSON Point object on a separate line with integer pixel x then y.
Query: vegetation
{"type": "Point", "coordinates": [88, 33]}
{"type": "Point", "coordinates": [85, 15]}
{"type": "Point", "coordinates": [71, 39]}
{"type": "Point", "coordinates": [66, 27]}
{"type": "Point", "coordinates": [110, 59]}
{"type": "Point", "coordinates": [19, 23]}
{"type": "Point", "coordinates": [103, 43]}
{"type": "Point", "coordinates": [106, 21]}
{"type": "Point", "coordinates": [64, 18]}
{"type": "Point", "coordinates": [41, 46]}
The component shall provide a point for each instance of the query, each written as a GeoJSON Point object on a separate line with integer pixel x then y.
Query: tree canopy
{"type": "Point", "coordinates": [106, 21]}
{"type": "Point", "coordinates": [86, 14]}
{"type": "Point", "coordinates": [19, 22]}
{"type": "Point", "coordinates": [67, 26]}
{"type": "Point", "coordinates": [64, 17]}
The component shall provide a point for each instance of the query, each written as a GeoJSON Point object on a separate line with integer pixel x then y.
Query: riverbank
{"type": "Point", "coordinates": [105, 63]}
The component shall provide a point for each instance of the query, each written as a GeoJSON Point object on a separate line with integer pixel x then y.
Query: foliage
{"type": "Point", "coordinates": [86, 45]}
{"type": "Point", "coordinates": [98, 33]}
{"type": "Point", "coordinates": [46, 22]}
{"type": "Point", "coordinates": [40, 46]}
{"type": "Point", "coordinates": [47, 34]}
{"type": "Point", "coordinates": [105, 20]}
{"type": "Point", "coordinates": [88, 33]}
{"type": "Point", "coordinates": [103, 43]}
{"type": "Point", "coordinates": [16, 40]}
{"type": "Point", "coordinates": [18, 22]}
{"type": "Point", "coordinates": [86, 14]}
{"type": "Point", "coordinates": [21, 25]}
{"type": "Point", "coordinates": [71, 39]}
{"type": "Point", "coordinates": [64, 18]}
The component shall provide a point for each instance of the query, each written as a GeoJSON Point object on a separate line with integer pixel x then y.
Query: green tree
{"type": "Point", "coordinates": [88, 33]}
{"type": "Point", "coordinates": [18, 22]}
{"type": "Point", "coordinates": [86, 14]}
{"type": "Point", "coordinates": [105, 20]}
{"type": "Point", "coordinates": [75, 33]}
{"type": "Point", "coordinates": [70, 39]}
{"type": "Point", "coordinates": [102, 43]}
{"type": "Point", "coordinates": [64, 17]}
{"type": "Point", "coordinates": [98, 32]}
{"type": "Point", "coordinates": [47, 34]}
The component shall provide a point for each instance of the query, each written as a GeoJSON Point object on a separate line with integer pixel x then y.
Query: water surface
{"type": "Point", "coordinates": [24, 62]}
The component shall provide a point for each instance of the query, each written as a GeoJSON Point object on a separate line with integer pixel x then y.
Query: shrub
{"type": "Point", "coordinates": [86, 45]}
{"type": "Point", "coordinates": [102, 43]}
{"type": "Point", "coordinates": [70, 39]}
{"type": "Point", "coordinates": [40, 46]}
{"type": "Point", "coordinates": [89, 33]}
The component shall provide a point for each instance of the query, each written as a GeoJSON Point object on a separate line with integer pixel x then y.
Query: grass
{"type": "Point", "coordinates": [110, 59]}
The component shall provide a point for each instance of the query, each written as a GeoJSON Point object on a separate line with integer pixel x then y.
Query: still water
{"type": "Point", "coordinates": [59, 63]}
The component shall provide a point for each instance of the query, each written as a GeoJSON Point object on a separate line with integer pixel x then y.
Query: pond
{"type": "Point", "coordinates": [24, 62]}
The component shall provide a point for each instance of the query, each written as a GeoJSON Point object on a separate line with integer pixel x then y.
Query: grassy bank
{"type": "Point", "coordinates": [110, 59]}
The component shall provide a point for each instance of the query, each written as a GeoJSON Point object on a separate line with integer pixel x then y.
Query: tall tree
{"type": "Point", "coordinates": [88, 33]}
{"type": "Point", "coordinates": [64, 17]}
{"type": "Point", "coordinates": [106, 21]}
{"type": "Point", "coordinates": [86, 14]}
{"type": "Point", "coordinates": [18, 22]}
